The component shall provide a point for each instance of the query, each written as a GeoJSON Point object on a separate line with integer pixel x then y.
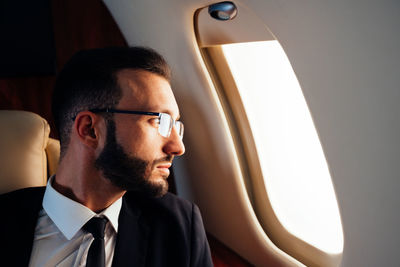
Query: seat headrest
{"type": "Point", "coordinates": [24, 138]}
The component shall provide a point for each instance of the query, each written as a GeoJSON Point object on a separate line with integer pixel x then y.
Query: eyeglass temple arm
{"type": "Point", "coordinates": [110, 110]}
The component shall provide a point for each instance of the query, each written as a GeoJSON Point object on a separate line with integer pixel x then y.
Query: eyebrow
{"type": "Point", "coordinates": [168, 112]}
{"type": "Point", "coordinates": [177, 118]}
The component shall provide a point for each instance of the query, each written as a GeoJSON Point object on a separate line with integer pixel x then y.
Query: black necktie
{"type": "Point", "coordinates": [96, 256]}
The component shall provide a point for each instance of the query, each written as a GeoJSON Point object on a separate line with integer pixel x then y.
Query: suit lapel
{"type": "Point", "coordinates": [132, 238]}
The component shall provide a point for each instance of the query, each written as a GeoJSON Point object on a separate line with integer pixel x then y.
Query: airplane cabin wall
{"type": "Point", "coordinates": [345, 55]}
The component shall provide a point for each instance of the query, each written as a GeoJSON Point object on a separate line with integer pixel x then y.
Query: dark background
{"type": "Point", "coordinates": [37, 38]}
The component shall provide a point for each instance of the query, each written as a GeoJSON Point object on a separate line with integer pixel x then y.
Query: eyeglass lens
{"type": "Point", "coordinates": [166, 123]}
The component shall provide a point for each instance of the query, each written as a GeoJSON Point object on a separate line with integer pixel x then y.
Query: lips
{"type": "Point", "coordinates": [164, 168]}
{"type": "Point", "coordinates": [164, 165]}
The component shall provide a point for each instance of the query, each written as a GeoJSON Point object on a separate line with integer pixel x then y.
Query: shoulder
{"type": "Point", "coordinates": [168, 207]}
{"type": "Point", "coordinates": [184, 222]}
{"type": "Point", "coordinates": [23, 202]}
{"type": "Point", "coordinates": [23, 196]}
{"type": "Point", "coordinates": [173, 202]}
{"type": "Point", "coordinates": [175, 224]}
{"type": "Point", "coordinates": [21, 208]}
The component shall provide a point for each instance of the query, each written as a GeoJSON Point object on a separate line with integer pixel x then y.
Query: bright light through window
{"type": "Point", "coordinates": [293, 164]}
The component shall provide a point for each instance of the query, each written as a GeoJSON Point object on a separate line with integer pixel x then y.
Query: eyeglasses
{"type": "Point", "coordinates": [165, 121]}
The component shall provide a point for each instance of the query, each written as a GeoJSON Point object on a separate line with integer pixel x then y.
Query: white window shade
{"type": "Point", "coordinates": [294, 168]}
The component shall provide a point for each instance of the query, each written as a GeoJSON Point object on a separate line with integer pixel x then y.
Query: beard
{"type": "Point", "coordinates": [128, 172]}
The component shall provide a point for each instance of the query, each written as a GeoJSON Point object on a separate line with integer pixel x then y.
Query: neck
{"type": "Point", "coordinates": [86, 185]}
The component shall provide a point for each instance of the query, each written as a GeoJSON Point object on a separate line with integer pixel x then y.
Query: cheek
{"type": "Point", "coordinates": [142, 145]}
{"type": "Point", "coordinates": [140, 140]}
{"type": "Point", "coordinates": [148, 147]}
{"type": "Point", "coordinates": [129, 135]}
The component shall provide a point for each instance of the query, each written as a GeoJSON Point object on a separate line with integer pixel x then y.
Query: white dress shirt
{"type": "Point", "coordinates": [59, 240]}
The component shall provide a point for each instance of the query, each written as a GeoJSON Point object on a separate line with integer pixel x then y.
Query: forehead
{"type": "Point", "coordinates": [146, 91]}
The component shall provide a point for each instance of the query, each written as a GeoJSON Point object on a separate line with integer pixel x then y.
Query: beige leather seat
{"type": "Point", "coordinates": [28, 156]}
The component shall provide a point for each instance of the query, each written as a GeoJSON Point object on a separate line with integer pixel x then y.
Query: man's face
{"type": "Point", "coordinates": [135, 156]}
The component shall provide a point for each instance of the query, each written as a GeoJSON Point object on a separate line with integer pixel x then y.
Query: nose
{"type": "Point", "coordinates": [174, 146]}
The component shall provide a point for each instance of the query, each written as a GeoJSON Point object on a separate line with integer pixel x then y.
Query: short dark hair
{"type": "Point", "coordinates": [89, 80]}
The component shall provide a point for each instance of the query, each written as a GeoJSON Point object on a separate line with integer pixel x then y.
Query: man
{"type": "Point", "coordinates": [119, 131]}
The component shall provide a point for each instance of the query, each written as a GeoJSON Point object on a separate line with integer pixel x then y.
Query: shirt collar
{"type": "Point", "coordinates": [69, 216]}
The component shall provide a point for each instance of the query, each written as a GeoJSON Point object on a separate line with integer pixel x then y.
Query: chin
{"type": "Point", "coordinates": [159, 186]}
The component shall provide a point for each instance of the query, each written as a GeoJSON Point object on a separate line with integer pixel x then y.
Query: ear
{"type": "Point", "coordinates": [87, 127]}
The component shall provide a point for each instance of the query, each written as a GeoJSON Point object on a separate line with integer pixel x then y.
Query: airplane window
{"type": "Point", "coordinates": [293, 164]}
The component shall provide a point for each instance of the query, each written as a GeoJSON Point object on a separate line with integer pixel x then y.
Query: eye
{"type": "Point", "coordinates": [155, 121]}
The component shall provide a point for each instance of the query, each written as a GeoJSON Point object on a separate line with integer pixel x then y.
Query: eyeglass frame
{"type": "Point", "coordinates": [148, 113]}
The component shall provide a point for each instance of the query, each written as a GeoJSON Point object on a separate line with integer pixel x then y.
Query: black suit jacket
{"type": "Point", "coordinates": [166, 231]}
